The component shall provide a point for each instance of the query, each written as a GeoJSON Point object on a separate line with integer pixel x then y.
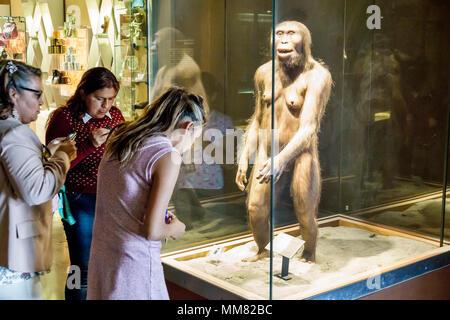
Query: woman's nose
{"type": "Point", "coordinates": [105, 104]}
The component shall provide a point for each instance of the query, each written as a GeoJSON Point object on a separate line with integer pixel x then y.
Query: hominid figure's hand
{"type": "Point", "coordinates": [265, 172]}
{"type": "Point", "coordinates": [241, 175]}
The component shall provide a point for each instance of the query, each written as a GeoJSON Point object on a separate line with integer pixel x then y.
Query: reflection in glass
{"type": "Point", "coordinates": [176, 67]}
{"type": "Point", "coordinates": [199, 57]}
{"type": "Point", "coordinates": [395, 115]}
{"type": "Point", "coordinates": [381, 141]}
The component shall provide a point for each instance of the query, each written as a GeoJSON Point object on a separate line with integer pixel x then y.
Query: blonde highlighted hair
{"type": "Point", "coordinates": [164, 114]}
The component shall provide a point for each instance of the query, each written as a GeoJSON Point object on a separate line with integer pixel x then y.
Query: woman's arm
{"type": "Point", "coordinates": [33, 180]}
{"type": "Point", "coordinates": [164, 176]}
{"type": "Point", "coordinates": [58, 127]}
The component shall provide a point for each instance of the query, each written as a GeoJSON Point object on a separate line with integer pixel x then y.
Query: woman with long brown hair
{"type": "Point", "coordinates": [89, 114]}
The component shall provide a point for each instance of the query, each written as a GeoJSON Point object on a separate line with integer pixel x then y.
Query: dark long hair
{"type": "Point", "coordinates": [13, 74]}
{"type": "Point", "coordinates": [93, 79]}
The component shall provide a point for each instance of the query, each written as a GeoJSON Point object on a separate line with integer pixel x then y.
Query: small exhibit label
{"type": "Point", "coordinates": [286, 245]}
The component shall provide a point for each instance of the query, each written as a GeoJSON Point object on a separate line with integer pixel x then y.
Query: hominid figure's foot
{"type": "Point", "coordinates": [309, 257]}
{"type": "Point", "coordinates": [258, 256]}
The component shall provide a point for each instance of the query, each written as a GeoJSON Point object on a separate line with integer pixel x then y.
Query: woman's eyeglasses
{"type": "Point", "coordinates": [38, 93]}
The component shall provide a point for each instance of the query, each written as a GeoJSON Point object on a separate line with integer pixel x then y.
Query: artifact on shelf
{"type": "Point", "coordinates": [140, 77]}
{"type": "Point", "coordinates": [61, 77]}
{"type": "Point", "coordinates": [129, 64]}
{"type": "Point", "coordinates": [70, 60]}
{"type": "Point", "coordinates": [125, 28]}
{"type": "Point", "coordinates": [105, 24]}
{"type": "Point", "coordinates": [57, 45]}
{"type": "Point", "coordinates": [137, 27]}
{"type": "Point", "coordinates": [56, 78]}
{"type": "Point", "coordinates": [70, 26]}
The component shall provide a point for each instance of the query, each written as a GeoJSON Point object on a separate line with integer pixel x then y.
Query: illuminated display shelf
{"type": "Point", "coordinates": [131, 56]}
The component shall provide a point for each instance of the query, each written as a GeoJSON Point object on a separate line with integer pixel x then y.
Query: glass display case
{"type": "Point", "coordinates": [131, 55]}
{"type": "Point", "coordinates": [345, 106]}
{"type": "Point", "coordinates": [13, 38]}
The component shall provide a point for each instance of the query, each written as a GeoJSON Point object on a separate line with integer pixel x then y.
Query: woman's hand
{"type": "Point", "coordinates": [99, 136]}
{"type": "Point", "coordinates": [68, 146]}
{"type": "Point", "coordinates": [177, 227]}
{"type": "Point", "coordinates": [169, 217]}
{"type": "Point", "coordinates": [54, 144]}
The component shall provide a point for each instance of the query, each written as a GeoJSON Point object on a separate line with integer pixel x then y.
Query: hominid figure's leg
{"type": "Point", "coordinates": [258, 205]}
{"type": "Point", "coordinates": [305, 191]}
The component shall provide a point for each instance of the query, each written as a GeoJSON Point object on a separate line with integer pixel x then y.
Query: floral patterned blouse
{"type": "Point", "coordinates": [8, 276]}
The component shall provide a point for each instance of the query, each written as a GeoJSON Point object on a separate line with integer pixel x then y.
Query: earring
{"type": "Point", "coordinates": [15, 114]}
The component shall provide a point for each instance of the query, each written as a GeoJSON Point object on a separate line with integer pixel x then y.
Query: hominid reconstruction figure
{"type": "Point", "coordinates": [302, 90]}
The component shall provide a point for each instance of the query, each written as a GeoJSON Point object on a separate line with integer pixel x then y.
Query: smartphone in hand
{"type": "Point", "coordinates": [72, 136]}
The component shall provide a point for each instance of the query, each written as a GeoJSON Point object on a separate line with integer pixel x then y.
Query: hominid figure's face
{"type": "Point", "coordinates": [288, 41]}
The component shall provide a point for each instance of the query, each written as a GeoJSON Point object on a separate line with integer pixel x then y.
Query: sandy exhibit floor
{"type": "Point", "coordinates": [341, 252]}
{"type": "Point", "coordinates": [423, 217]}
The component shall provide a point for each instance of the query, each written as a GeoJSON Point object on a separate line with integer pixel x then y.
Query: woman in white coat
{"type": "Point", "coordinates": [31, 174]}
